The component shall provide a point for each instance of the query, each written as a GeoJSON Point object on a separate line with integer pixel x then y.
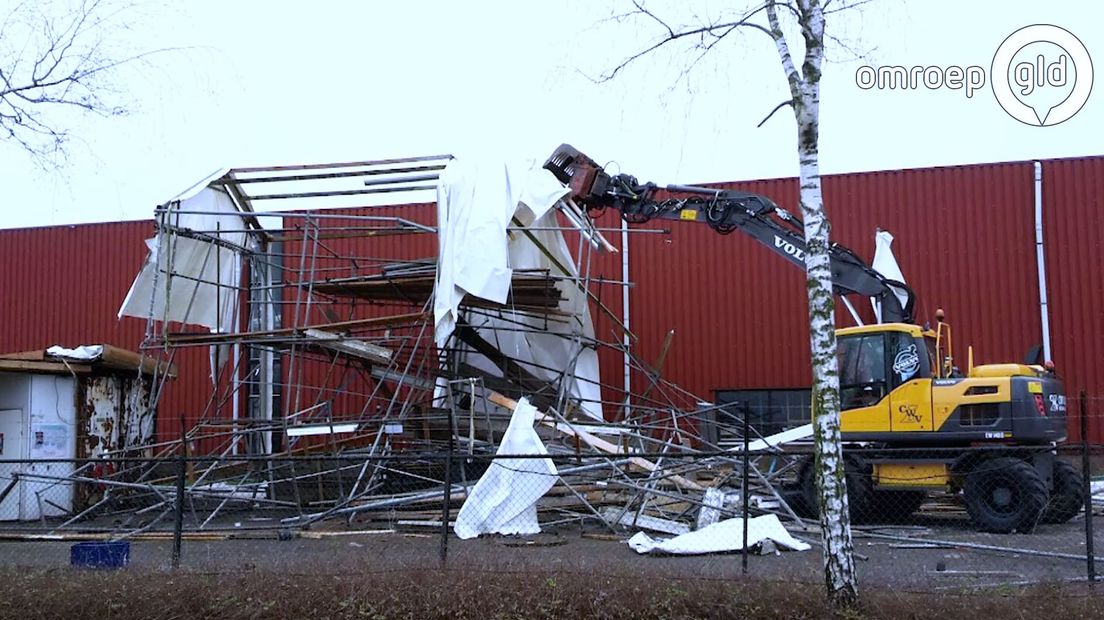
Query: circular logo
{"type": "Point", "coordinates": [906, 362]}
{"type": "Point", "coordinates": [1042, 75]}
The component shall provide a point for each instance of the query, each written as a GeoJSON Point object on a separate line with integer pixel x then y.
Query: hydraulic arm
{"type": "Point", "coordinates": [725, 211]}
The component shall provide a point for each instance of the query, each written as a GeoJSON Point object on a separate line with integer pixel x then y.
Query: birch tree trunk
{"type": "Point", "coordinates": [835, 522]}
{"type": "Point", "coordinates": [804, 83]}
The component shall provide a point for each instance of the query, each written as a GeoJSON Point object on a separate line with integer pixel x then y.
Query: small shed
{"type": "Point", "coordinates": [64, 413]}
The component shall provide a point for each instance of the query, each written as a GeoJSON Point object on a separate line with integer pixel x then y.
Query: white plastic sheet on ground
{"type": "Point", "coordinates": [477, 200]}
{"type": "Point", "coordinates": [723, 536]}
{"type": "Point", "coordinates": [504, 501]}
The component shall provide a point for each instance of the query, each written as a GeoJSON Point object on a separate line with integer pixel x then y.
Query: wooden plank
{"type": "Point", "coordinates": [290, 331]}
{"type": "Point", "coordinates": [34, 356]}
{"type": "Point", "coordinates": [586, 291]}
{"type": "Point", "coordinates": [349, 346]}
{"type": "Point", "coordinates": [56, 368]}
{"type": "Point", "coordinates": [114, 357]}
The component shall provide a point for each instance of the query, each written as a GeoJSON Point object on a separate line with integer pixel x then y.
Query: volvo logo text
{"type": "Point", "coordinates": [789, 248]}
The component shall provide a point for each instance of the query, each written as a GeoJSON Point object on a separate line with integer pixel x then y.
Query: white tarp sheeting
{"type": "Point", "coordinates": [723, 536]}
{"type": "Point", "coordinates": [476, 201]}
{"type": "Point", "coordinates": [203, 289]}
{"type": "Point", "coordinates": [886, 264]}
{"type": "Point", "coordinates": [504, 501]}
{"type": "Point", "coordinates": [83, 353]}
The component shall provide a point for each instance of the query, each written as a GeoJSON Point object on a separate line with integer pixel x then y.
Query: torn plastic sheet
{"type": "Point", "coordinates": [201, 285]}
{"type": "Point", "coordinates": [546, 348]}
{"type": "Point", "coordinates": [721, 537]}
{"type": "Point", "coordinates": [504, 501]}
{"type": "Point", "coordinates": [886, 264]}
{"type": "Point", "coordinates": [477, 201]}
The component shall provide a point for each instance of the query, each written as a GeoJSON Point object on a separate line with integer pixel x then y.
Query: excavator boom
{"type": "Point", "coordinates": [725, 211]}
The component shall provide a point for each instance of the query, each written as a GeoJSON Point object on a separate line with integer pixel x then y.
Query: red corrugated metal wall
{"type": "Point", "coordinates": [1073, 214]}
{"type": "Point", "coordinates": [64, 284]}
{"type": "Point", "coordinates": [964, 238]}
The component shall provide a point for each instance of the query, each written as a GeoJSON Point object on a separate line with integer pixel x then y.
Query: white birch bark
{"type": "Point", "coordinates": [839, 567]}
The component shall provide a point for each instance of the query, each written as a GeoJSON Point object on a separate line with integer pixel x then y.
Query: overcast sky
{"type": "Point", "coordinates": [296, 82]}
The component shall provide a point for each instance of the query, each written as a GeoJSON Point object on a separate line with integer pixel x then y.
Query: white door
{"type": "Point", "coordinates": [11, 447]}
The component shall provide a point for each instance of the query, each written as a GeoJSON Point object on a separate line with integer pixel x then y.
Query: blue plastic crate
{"type": "Point", "coordinates": [108, 555]}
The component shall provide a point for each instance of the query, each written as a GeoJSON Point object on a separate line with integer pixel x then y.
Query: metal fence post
{"type": "Point", "coordinates": [178, 522]}
{"type": "Point", "coordinates": [446, 499]}
{"type": "Point", "coordinates": [1086, 488]}
{"type": "Point", "coordinates": [744, 559]}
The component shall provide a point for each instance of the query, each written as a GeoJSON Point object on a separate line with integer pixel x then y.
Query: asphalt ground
{"type": "Point", "coordinates": [911, 563]}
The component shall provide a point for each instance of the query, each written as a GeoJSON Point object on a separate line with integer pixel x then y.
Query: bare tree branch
{"type": "Point", "coordinates": [640, 8]}
{"type": "Point", "coordinates": [846, 6]}
{"type": "Point", "coordinates": [854, 54]}
{"type": "Point", "coordinates": [671, 35]}
{"type": "Point", "coordinates": [788, 102]}
{"type": "Point", "coordinates": [51, 62]}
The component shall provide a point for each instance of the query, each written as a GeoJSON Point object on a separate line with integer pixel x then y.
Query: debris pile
{"type": "Point", "coordinates": [365, 366]}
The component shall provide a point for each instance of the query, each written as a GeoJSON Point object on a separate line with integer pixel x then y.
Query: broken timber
{"type": "Point", "coordinates": [598, 444]}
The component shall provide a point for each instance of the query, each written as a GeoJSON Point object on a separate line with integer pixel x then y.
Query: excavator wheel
{"type": "Point", "coordinates": [859, 490]}
{"type": "Point", "coordinates": [1066, 497]}
{"type": "Point", "coordinates": [1005, 494]}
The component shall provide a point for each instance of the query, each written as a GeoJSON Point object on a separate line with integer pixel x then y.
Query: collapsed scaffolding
{"type": "Point", "coordinates": [342, 388]}
{"type": "Point", "coordinates": [334, 405]}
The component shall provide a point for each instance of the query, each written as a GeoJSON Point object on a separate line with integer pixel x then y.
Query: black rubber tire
{"type": "Point", "coordinates": [1067, 497]}
{"type": "Point", "coordinates": [859, 490]}
{"type": "Point", "coordinates": [808, 507]}
{"type": "Point", "coordinates": [1004, 495]}
{"type": "Point", "coordinates": [896, 506]}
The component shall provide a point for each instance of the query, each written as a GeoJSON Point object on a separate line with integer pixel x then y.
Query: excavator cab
{"type": "Point", "coordinates": [899, 384]}
{"type": "Point", "coordinates": [885, 374]}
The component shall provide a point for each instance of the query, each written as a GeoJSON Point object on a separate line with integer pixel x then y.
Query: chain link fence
{"type": "Point", "coordinates": [922, 516]}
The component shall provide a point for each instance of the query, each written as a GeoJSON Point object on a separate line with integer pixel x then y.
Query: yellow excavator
{"type": "Point", "coordinates": [912, 422]}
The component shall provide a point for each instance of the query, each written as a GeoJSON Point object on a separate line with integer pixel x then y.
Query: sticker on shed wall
{"type": "Point", "coordinates": [50, 441]}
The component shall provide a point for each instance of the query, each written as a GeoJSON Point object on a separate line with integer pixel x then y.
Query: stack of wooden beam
{"type": "Point", "coordinates": [529, 292]}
